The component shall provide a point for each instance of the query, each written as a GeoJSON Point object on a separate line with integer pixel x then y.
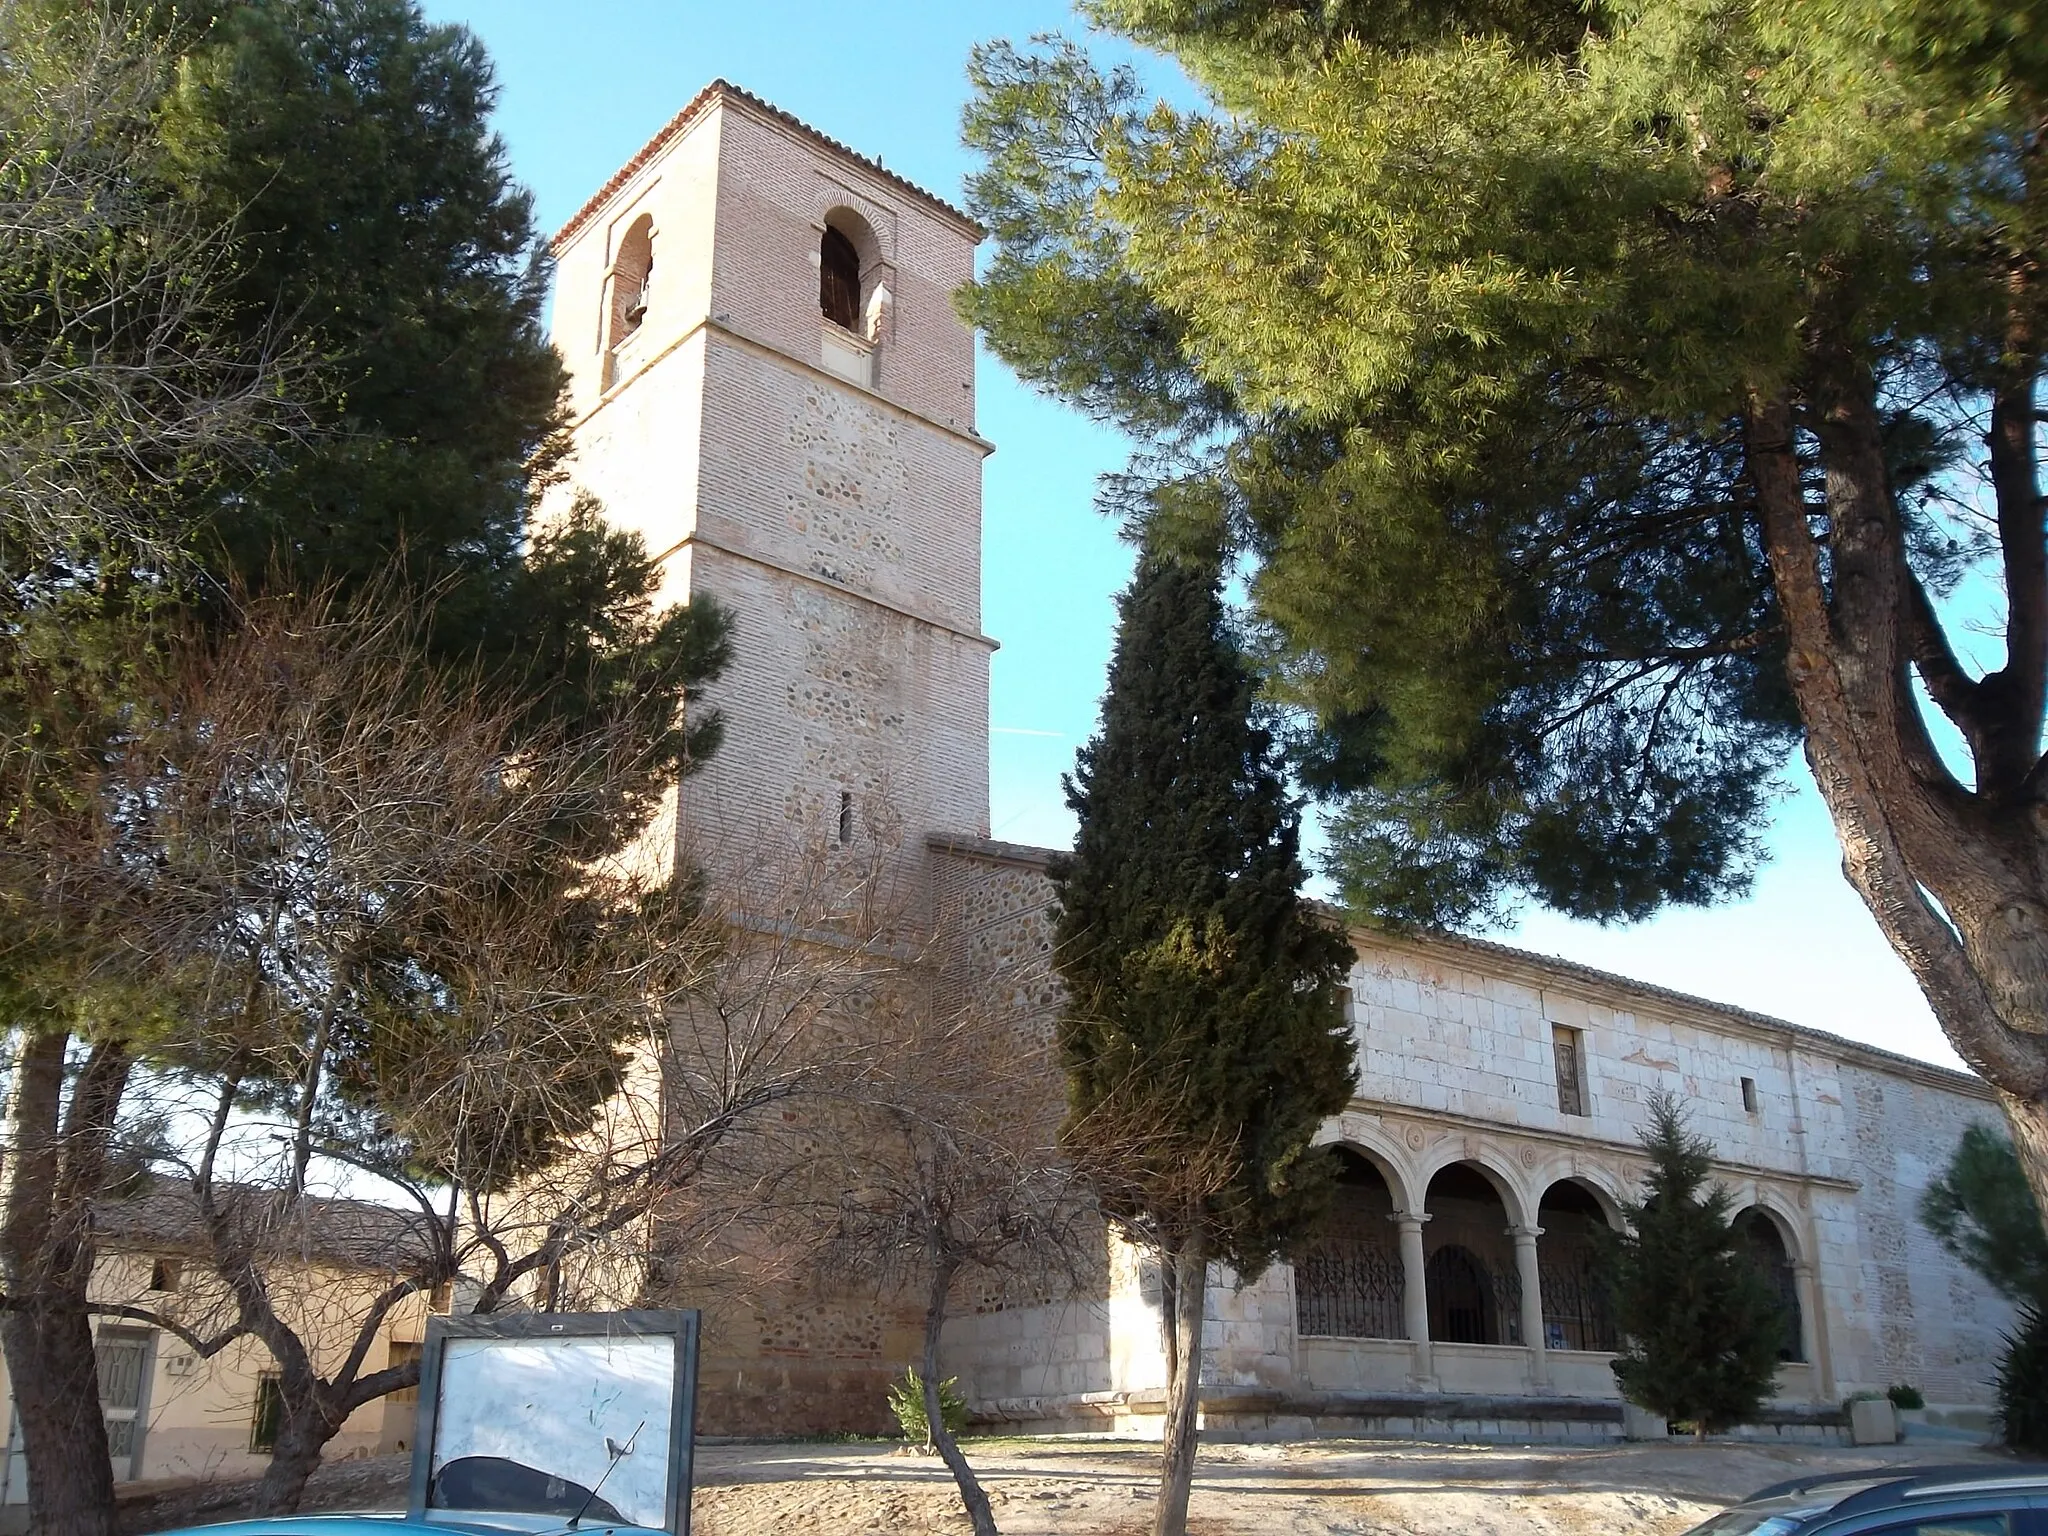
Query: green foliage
{"type": "Point", "coordinates": [1700, 1323]}
{"type": "Point", "coordinates": [1457, 308]}
{"type": "Point", "coordinates": [349, 147]}
{"type": "Point", "coordinates": [2022, 1414]}
{"type": "Point", "coordinates": [906, 1402]}
{"type": "Point", "coordinates": [1204, 1038]}
{"type": "Point", "coordinates": [1981, 1210]}
{"type": "Point", "coordinates": [1905, 1396]}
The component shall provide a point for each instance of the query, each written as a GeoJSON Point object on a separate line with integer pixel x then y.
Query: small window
{"type": "Point", "coordinates": [442, 1296]}
{"type": "Point", "coordinates": [839, 279]}
{"type": "Point", "coordinates": [1565, 1046]}
{"type": "Point", "coordinates": [165, 1274]}
{"type": "Point", "coordinates": [1749, 1094]}
{"type": "Point", "coordinates": [845, 817]}
{"type": "Point", "coordinates": [269, 1412]}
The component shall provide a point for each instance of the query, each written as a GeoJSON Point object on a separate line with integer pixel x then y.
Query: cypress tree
{"type": "Point", "coordinates": [1203, 1039]}
{"type": "Point", "coordinates": [1700, 1322]}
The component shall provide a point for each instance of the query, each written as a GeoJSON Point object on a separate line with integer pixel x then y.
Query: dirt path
{"type": "Point", "coordinates": [1105, 1488]}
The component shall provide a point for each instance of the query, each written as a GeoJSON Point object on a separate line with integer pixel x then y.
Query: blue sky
{"type": "Point", "coordinates": [584, 85]}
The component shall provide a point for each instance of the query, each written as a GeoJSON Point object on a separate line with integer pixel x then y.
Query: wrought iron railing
{"type": "Point", "coordinates": [1349, 1290]}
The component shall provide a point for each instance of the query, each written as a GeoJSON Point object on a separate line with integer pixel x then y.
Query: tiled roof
{"type": "Point", "coordinates": [353, 1232]}
{"type": "Point", "coordinates": [703, 99]}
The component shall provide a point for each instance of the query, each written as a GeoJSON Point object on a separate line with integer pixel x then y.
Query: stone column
{"type": "Point", "coordinates": [1415, 1298]}
{"type": "Point", "coordinates": [1532, 1302]}
{"type": "Point", "coordinates": [1809, 1333]}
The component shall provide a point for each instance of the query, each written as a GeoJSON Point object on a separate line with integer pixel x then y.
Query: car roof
{"type": "Point", "coordinates": [440, 1522]}
{"type": "Point", "coordinates": [1877, 1487]}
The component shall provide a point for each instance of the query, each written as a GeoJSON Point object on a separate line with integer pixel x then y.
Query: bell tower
{"type": "Point", "coordinates": [771, 387]}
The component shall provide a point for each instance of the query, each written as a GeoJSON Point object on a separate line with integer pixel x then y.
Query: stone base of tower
{"type": "Point", "coordinates": [780, 1367]}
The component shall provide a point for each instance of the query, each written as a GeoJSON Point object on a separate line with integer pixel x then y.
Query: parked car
{"type": "Point", "coordinates": [1975, 1499]}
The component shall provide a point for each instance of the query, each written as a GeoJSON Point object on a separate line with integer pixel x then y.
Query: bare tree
{"type": "Point", "coordinates": [953, 1177]}
{"type": "Point", "coordinates": [384, 980]}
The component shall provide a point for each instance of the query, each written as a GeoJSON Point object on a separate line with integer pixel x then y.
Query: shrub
{"type": "Point", "coordinates": [1905, 1395]}
{"type": "Point", "coordinates": [906, 1401]}
{"type": "Point", "coordinates": [2023, 1384]}
{"type": "Point", "coordinates": [1700, 1324]}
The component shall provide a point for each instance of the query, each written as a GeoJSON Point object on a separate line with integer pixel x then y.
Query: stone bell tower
{"type": "Point", "coordinates": [771, 387]}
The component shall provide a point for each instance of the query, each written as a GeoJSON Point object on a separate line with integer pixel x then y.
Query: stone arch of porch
{"type": "Point", "coordinates": [1383, 1151]}
{"type": "Point", "coordinates": [1492, 1166]}
{"type": "Point", "coordinates": [1786, 1219]}
{"type": "Point", "coordinates": [1605, 1185]}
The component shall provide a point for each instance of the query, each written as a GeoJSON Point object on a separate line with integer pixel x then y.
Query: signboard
{"type": "Point", "coordinates": [585, 1416]}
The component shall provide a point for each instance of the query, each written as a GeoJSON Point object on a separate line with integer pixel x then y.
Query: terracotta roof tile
{"type": "Point", "coordinates": [725, 88]}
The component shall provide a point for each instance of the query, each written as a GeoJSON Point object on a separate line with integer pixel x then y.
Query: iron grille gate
{"type": "Point", "coordinates": [1576, 1311]}
{"type": "Point", "coordinates": [1349, 1290]}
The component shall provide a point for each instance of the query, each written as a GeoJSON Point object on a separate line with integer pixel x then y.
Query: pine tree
{"type": "Point", "coordinates": [1596, 384]}
{"type": "Point", "coordinates": [1203, 1038]}
{"type": "Point", "coordinates": [1700, 1321]}
{"type": "Point", "coordinates": [1980, 1209]}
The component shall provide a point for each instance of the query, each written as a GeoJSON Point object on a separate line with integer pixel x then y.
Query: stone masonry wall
{"type": "Point", "coordinates": [1926, 1320]}
{"type": "Point", "coordinates": [1841, 1142]}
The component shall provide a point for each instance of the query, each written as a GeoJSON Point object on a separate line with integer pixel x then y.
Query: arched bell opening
{"type": "Point", "coordinates": [632, 281]}
{"type": "Point", "coordinates": [839, 278]}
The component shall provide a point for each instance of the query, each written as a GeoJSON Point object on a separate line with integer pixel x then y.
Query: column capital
{"type": "Point", "coordinates": [1409, 1221]}
{"type": "Point", "coordinates": [1526, 1232]}
{"type": "Point", "coordinates": [1802, 1270]}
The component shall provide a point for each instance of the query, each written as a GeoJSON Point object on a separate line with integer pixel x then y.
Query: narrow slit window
{"type": "Point", "coordinates": [1567, 1048]}
{"type": "Point", "coordinates": [845, 817]}
{"type": "Point", "coordinates": [1749, 1094]}
{"type": "Point", "coordinates": [165, 1274]}
{"type": "Point", "coordinates": [839, 279]}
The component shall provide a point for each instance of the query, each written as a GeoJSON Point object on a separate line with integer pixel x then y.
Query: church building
{"type": "Point", "coordinates": [771, 386]}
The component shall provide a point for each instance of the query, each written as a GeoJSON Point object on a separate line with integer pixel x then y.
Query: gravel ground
{"type": "Point", "coordinates": [1104, 1488]}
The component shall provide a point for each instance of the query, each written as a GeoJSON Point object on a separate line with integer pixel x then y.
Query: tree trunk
{"type": "Point", "coordinates": [971, 1494]}
{"type": "Point", "coordinates": [46, 1256]}
{"type": "Point", "coordinates": [302, 1434]}
{"type": "Point", "coordinates": [54, 1377]}
{"type": "Point", "coordinates": [1953, 880]}
{"type": "Point", "coordinates": [1183, 1395]}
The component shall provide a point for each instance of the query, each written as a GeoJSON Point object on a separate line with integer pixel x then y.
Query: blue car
{"type": "Point", "coordinates": [439, 1522]}
{"type": "Point", "coordinates": [1981, 1499]}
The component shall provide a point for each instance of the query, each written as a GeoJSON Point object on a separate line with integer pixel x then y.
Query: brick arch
{"type": "Point", "coordinates": [860, 229]}
{"type": "Point", "coordinates": [632, 265]}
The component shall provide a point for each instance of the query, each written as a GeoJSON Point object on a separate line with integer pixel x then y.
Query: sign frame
{"type": "Point", "coordinates": [681, 1324]}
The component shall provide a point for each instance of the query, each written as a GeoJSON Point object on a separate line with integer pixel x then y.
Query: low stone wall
{"type": "Point", "coordinates": [1229, 1414]}
{"type": "Point", "coordinates": [1239, 1415]}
